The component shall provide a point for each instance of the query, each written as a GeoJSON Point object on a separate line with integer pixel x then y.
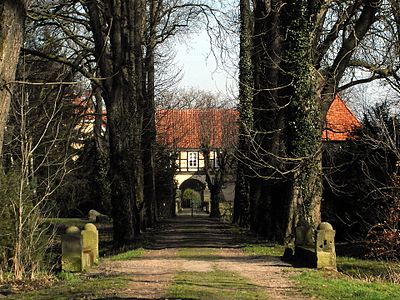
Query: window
{"type": "Point", "coordinates": [192, 159]}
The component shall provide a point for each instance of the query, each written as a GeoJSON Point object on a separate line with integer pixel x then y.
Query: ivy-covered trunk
{"type": "Point", "coordinates": [284, 154]}
{"type": "Point", "coordinates": [304, 126]}
{"type": "Point", "coordinates": [215, 180]}
{"type": "Point", "coordinates": [241, 208]}
{"type": "Point", "coordinates": [291, 99]}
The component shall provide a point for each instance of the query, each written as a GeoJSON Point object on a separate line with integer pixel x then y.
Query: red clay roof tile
{"type": "Point", "coordinates": [188, 128]}
{"type": "Point", "coordinates": [340, 122]}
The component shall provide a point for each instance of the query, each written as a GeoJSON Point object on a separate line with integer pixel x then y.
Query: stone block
{"type": "Point", "coordinates": [72, 250]}
{"type": "Point", "coordinates": [305, 256]}
{"type": "Point", "coordinates": [92, 215]}
{"type": "Point", "coordinates": [90, 242]}
{"type": "Point", "coordinates": [325, 246]}
{"type": "Point", "coordinates": [80, 249]}
{"type": "Point", "coordinates": [304, 236]}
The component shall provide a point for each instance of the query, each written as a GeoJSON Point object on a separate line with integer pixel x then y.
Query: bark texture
{"type": "Point", "coordinates": [294, 85]}
{"type": "Point", "coordinates": [121, 64]}
{"type": "Point", "coordinates": [12, 16]}
{"type": "Point", "coordinates": [242, 187]}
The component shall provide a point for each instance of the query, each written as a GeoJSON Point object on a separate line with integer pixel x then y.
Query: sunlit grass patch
{"type": "Point", "coordinates": [67, 221]}
{"type": "Point", "coordinates": [197, 253]}
{"type": "Point", "coordinates": [264, 250]}
{"type": "Point", "coordinates": [77, 287]}
{"type": "Point", "coordinates": [332, 285]}
{"type": "Point", "coordinates": [128, 255]}
{"type": "Point", "coordinates": [213, 285]}
{"type": "Point", "coordinates": [370, 270]}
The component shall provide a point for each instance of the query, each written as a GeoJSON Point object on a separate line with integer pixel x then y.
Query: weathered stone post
{"type": "Point", "coordinates": [90, 237]}
{"type": "Point", "coordinates": [304, 245]}
{"type": "Point", "coordinates": [72, 250]}
{"type": "Point", "coordinates": [325, 246]}
{"type": "Point", "coordinates": [304, 236]}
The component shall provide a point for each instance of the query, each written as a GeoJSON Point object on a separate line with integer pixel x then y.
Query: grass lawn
{"type": "Point", "coordinates": [216, 285]}
{"type": "Point", "coordinates": [76, 287]}
{"type": "Point", "coordinates": [369, 270]}
{"type": "Point", "coordinates": [355, 279]}
{"type": "Point", "coordinates": [82, 286]}
{"type": "Point", "coordinates": [263, 249]}
{"type": "Point", "coordinates": [128, 255]}
{"type": "Point", "coordinates": [332, 285]}
{"type": "Point", "coordinates": [197, 253]}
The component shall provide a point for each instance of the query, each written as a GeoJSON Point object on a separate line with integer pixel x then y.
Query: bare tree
{"type": "Point", "coordinates": [218, 138]}
{"type": "Point", "coordinates": [40, 159]}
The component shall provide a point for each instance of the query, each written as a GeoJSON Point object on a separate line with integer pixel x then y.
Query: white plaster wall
{"type": "Point", "coordinates": [180, 178]}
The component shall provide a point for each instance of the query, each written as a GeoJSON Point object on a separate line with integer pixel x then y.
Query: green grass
{"type": "Point", "coordinates": [333, 285]}
{"type": "Point", "coordinates": [76, 287]}
{"type": "Point", "coordinates": [197, 253]}
{"type": "Point", "coordinates": [371, 270]}
{"type": "Point", "coordinates": [213, 285]}
{"type": "Point", "coordinates": [81, 286]}
{"type": "Point", "coordinates": [128, 255]}
{"type": "Point", "coordinates": [356, 279]}
{"type": "Point", "coordinates": [67, 221]}
{"type": "Point", "coordinates": [264, 250]}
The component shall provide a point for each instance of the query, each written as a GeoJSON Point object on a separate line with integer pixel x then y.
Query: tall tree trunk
{"type": "Point", "coordinates": [290, 101]}
{"type": "Point", "coordinates": [241, 208]}
{"type": "Point", "coordinates": [102, 152]}
{"type": "Point", "coordinates": [304, 126]}
{"type": "Point", "coordinates": [121, 64]}
{"type": "Point", "coordinates": [215, 190]}
{"type": "Point", "coordinates": [12, 16]}
{"type": "Point", "coordinates": [269, 119]}
{"type": "Point", "coordinates": [214, 182]}
{"type": "Point", "coordinates": [149, 130]}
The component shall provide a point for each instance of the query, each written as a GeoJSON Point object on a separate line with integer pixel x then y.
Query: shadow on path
{"type": "Point", "coordinates": [199, 231]}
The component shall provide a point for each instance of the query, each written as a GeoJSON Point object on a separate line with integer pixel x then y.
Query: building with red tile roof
{"type": "Point", "coordinates": [189, 128]}
{"type": "Point", "coordinates": [185, 130]}
{"type": "Point", "coordinates": [340, 122]}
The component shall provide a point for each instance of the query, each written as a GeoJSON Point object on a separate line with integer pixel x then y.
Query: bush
{"type": "Point", "coordinates": [8, 188]}
{"type": "Point", "coordinates": [384, 238]}
{"type": "Point", "coordinates": [24, 237]}
{"type": "Point", "coordinates": [192, 197]}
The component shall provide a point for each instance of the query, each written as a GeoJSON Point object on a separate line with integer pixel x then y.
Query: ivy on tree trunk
{"type": "Point", "coordinates": [304, 126]}
{"type": "Point", "coordinates": [242, 187]}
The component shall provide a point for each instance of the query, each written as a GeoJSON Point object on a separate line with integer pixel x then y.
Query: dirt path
{"type": "Point", "coordinates": [150, 275]}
